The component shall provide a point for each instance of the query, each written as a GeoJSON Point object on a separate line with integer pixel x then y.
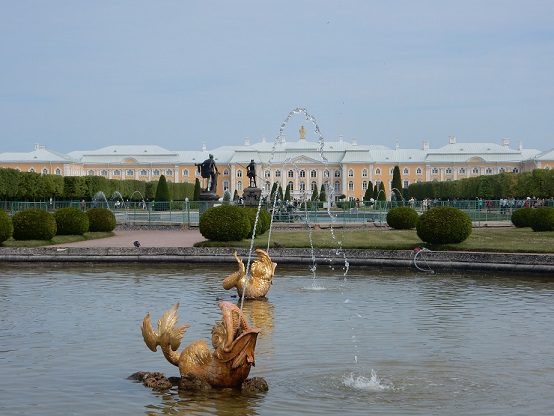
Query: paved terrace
{"type": "Point", "coordinates": [176, 246]}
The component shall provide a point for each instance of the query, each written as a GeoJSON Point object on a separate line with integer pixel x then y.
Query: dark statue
{"type": "Point", "coordinates": [209, 171]}
{"type": "Point", "coordinates": [251, 173]}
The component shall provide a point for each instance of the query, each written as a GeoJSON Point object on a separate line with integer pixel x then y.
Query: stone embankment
{"type": "Point", "coordinates": [399, 259]}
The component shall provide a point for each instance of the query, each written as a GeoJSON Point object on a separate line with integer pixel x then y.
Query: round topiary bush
{"type": "Point", "coordinates": [101, 220]}
{"type": "Point", "coordinates": [443, 225]}
{"type": "Point", "coordinates": [542, 219]}
{"type": "Point", "coordinates": [402, 218]}
{"type": "Point", "coordinates": [6, 226]}
{"type": "Point", "coordinates": [225, 223]}
{"type": "Point", "coordinates": [264, 220]}
{"type": "Point", "coordinates": [521, 217]}
{"type": "Point", "coordinates": [34, 224]}
{"type": "Point", "coordinates": [71, 221]}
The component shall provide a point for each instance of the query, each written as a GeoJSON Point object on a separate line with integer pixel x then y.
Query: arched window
{"type": "Point", "coordinates": [364, 173]}
{"type": "Point", "coordinates": [44, 171]}
{"type": "Point", "coordinates": [350, 173]}
{"type": "Point", "coordinates": [475, 171]}
{"type": "Point", "coordinates": [277, 173]}
{"type": "Point", "coordinates": [391, 171]}
{"type": "Point", "coordinates": [515, 170]}
{"type": "Point", "coordinates": [225, 185]}
{"type": "Point", "coordinates": [313, 185]}
{"type": "Point", "coordinates": [117, 172]}
{"type": "Point", "coordinates": [291, 173]}
{"type": "Point", "coordinates": [545, 168]}
{"type": "Point", "coordinates": [462, 171]}
{"type": "Point", "coordinates": [104, 172]}
{"type": "Point", "coordinates": [32, 170]}
{"type": "Point", "coordinates": [302, 186]}
{"type": "Point", "coordinates": [504, 169]}
{"type": "Point", "coordinates": [406, 183]}
{"type": "Point", "coordinates": [58, 171]}
{"type": "Point", "coordinates": [377, 171]}
{"type": "Point", "coordinates": [156, 172]}
{"type": "Point", "coordinates": [313, 173]}
{"type": "Point", "coordinates": [91, 172]}
{"type": "Point", "coordinates": [239, 173]}
{"type": "Point", "coordinates": [326, 173]}
{"type": "Point", "coordinates": [169, 172]}
{"type": "Point", "coordinates": [350, 185]}
{"type": "Point", "coordinates": [418, 171]}
{"type": "Point", "coordinates": [337, 186]}
{"type": "Point", "coordinates": [435, 171]}
{"type": "Point", "coordinates": [337, 173]}
{"type": "Point", "coordinates": [239, 185]}
{"type": "Point", "coordinates": [448, 171]}
{"type": "Point", "coordinates": [364, 185]}
{"type": "Point", "coordinates": [291, 186]}
{"type": "Point", "coordinates": [302, 173]}
{"type": "Point", "coordinates": [267, 173]}
{"type": "Point", "coordinates": [406, 171]}
{"type": "Point", "coordinates": [225, 172]}
{"type": "Point", "coordinates": [488, 171]}
{"type": "Point", "coordinates": [143, 172]}
{"type": "Point", "coordinates": [185, 172]}
{"type": "Point", "coordinates": [130, 172]}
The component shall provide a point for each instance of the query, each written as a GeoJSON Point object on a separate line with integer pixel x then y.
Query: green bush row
{"type": "Point", "coordinates": [233, 223]}
{"type": "Point", "coordinates": [539, 219]}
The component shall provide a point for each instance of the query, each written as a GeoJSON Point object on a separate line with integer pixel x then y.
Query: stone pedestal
{"type": "Point", "coordinates": [252, 196]}
{"type": "Point", "coordinates": [207, 200]}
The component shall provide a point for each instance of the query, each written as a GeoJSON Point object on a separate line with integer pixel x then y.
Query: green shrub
{"type": "Point", "coordinates": [443, 225]}
{"type": "Point", "coordinates": [521, 217]}
{"type": "Point", "coordinates": [101, 220]}
{"type": "Point", "coordinates": [71, 221]}
{"type": "Point", "coordinates": [402, 218]}
{"type": "Point", "coordinates": [34, 224]}
{"type": "Point", "coordinates": [264, 220]}
{"type": "Point", "coordinates": [225, 223]}
{"type": "Point", "coordinates": [542, 219]}
{"type": "Point", "coordinates": [6, 226]}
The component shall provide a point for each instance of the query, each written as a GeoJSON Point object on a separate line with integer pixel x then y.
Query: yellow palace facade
{"type": "Point", "coordinates": [303, 165]}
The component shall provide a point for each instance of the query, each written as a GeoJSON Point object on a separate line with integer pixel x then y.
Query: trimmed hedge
{"type": "Point", "coordinates": [101, 220]}
{"type": "Point", "coordinates": [521, 217]}
{"type": "Point", "coordinates": [444, 225]}
{"type": "Point", "coordinates": [225, 223]}
{"type": "Point", "coordinates": [402, 218]}
{"type": "Point", "coordinates": [6, 226]}
{"type": "Point", "coordinates": [71, 221]}
{"type": "Point", "coordinates": [542, 219]}
{"type": "Point", "coordinates": [34, 224]}
{"type": "Point", "coordinates": [264, 220]}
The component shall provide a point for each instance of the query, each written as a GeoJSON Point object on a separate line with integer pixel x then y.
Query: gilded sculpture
{"type": "Point", "coordinates": [233, 341]}
{"type": "Point", "coordinates": [260, 280]}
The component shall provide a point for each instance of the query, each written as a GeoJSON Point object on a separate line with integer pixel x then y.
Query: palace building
{"type": "Point", "coordinates": [303, 165]}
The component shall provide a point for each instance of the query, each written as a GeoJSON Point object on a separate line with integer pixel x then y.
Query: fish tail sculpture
{"type": "Point", "coordinates": [261, 272]}
{"type": "Point", "coordinates": [233, 340]}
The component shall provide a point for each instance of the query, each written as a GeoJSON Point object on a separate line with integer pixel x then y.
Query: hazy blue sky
{"type": "Point", "coordinates": [77, 75]}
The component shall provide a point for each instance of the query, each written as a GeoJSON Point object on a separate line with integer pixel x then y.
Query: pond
{"type": "Point", "coordinates": [372, 342]}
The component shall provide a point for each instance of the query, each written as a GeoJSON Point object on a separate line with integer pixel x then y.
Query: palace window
{"type": "Point", "coordinates": [225, 185]}
{"type": "Point", "coordinates": [350, 173]}
{"type": "Point", "coordinates": [302, 173]}
{"type": "Point", "coordinates": [515, 170]}
{"type": "Point", "coordinates": [475, 171]}
{"type": "Point", "coordinates": [364, 185]}
{"type": "Point", "coordinates": [406, 183]}
{"type": "Point", "coordinates": [277, 173]}
{"type": "Point", "coordinates": [504, 169]}
{"type": "Point", "coordinates": [302, 186]}
{"type": "Point", "coordinates": [488, 171]}
{"type": "Point", "coordinates": [91, 172]}
{"type": "Point", "coordinates": [32, 170]}
{"type": "Point", "coordinates": [143, 172]}
{"type": "Point", "coordinates": [156, 172]}
{"type": "Point", "coordinates": [291, 173]}
{"type": "Point", "coordinates": [326, 173]}
{"type": "Point", "coordinates": [448, 171]}
{"type": "Point", "coordinates": [130, 172]}
{"type": "Point", "coordinates": [169, 172]}
{"type": "Point", "coordinates": [435, 171]}
{"type": "Point", "coordinates": [377, 171]}
{"type": "Point", "coordinates": [290, 186]}
{"type": "Point", "coordinates": [418, 171]}
{"type": "Point", "coordinates": [239, 185]}
{"type": "Point", "coordinates": [267, 173]}
{"type": "Point", "coordinates": [239, 173]}
{"type": "Point", "coordinates": [350, 185]}
{"type": "Point", "coordinates": [313, 185]}
{"type": "Point", "coordinates": [313, 173]}
{"type": "Point", "coordinates": [462, 171]}
{"type": "Point", "coordinates": [58, 171]}
{"type": "Point", "coordinates": [104, 172]}
{"type": "Point", "coordinates": [225, 172]}
{"type": "Point", "coordinates": [45, 171]}
{"type": "Point", "coordinates": [364, 173]}
{"type": "Point", "coordinates": [337, 173]}
{"type": "Point", "coordinates": [406, 171]}
{"type": "Point", "coordinates": [185, 172]}
{"type": "Point", "coordinates": [117, 172]}
{"type": "Point", "coordinates": [391, 171]}
{"type": "Point", "coordinates": [337, 186]}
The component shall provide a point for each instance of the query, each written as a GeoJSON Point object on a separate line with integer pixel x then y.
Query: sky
{"type": "Point", "coordinates": [81, 75]}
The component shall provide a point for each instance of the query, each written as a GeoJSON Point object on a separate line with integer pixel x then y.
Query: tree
{"type": "Point", "coordinates": [322, 193]}
{"type": "Point", "coordinates": [315, 196]}
{"type": "Point", "coordinates": [197, 190]}
{"type": "Point", "coordinates": [368, 192]}
{"type": "Point", "coordinates": [396, 184]}
{"type": "Point", "coordinates": [382, 194]}
{"type": "Point", "coordinates": [162, 191]}
{"type": "Point", "coordinates": [287, 193]}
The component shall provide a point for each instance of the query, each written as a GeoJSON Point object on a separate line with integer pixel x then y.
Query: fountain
{"type": "Point", "coordinates": [100, 196]}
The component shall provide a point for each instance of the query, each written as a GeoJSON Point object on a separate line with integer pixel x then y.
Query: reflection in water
{"type": "Point", "coordinates": [424, 344]}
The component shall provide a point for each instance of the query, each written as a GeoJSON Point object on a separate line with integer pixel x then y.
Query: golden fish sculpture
{"type": "Point", "coordinates": [233, 341]}
{"type": "Point", "coordinates": [261, 277]}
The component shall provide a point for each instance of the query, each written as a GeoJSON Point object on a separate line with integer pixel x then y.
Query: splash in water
{"type": "Point", "coordinates": [359, 382]}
